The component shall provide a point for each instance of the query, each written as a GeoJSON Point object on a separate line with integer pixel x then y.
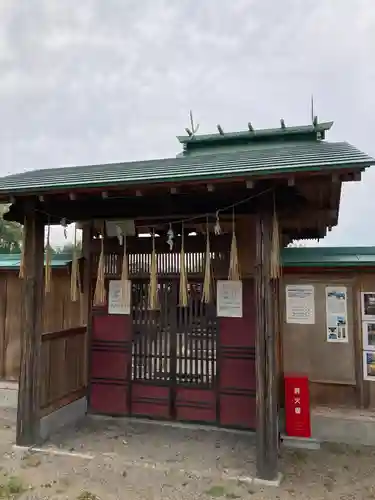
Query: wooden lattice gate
{"type": "Point", "coordinates": [176, 363]}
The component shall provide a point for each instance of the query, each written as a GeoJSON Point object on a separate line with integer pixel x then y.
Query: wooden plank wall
{"type": "Point", "coordinates": [59, 313]}
{"type": "Point", "coordinates": [335, 370]}
{"type": "Point", "coordinates": [63, 368]}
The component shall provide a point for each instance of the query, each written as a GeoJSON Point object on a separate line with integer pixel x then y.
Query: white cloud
{"type": "Point", "coordinates": [92, 81]}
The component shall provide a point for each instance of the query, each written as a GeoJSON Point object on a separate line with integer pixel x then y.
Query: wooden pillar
{"type": "Point", "coordinates": [28, 411]}
{"type": "Point", "coordinates": [267, 439]}
{"type": "Point", "coordinates": [87, 234]}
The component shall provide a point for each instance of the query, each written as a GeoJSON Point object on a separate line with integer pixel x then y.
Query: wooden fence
{"type": "Point", "coordinates": [64, 368]}
{"type": "Point", "coordinates": [60, 313]}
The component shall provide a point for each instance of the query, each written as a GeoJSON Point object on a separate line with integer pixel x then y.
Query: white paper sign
{"type": "Point", "coordinates": [300, 304]}
{"type": "Point", "coordinates": [229, 299]}
{"type": "Point", "coordinates": [369, 365]}
{"type": "Point", "coordinates": [337, 323]}
{"type": "Point", "coordinates": [368, 328]}
{"type": "Point", "coordinates": [116, 304]}
{"type": "Point", "coordinates": [368, 306]}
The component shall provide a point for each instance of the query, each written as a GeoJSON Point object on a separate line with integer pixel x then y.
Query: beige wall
{"type": "Point", "coordinates": [305, 347]}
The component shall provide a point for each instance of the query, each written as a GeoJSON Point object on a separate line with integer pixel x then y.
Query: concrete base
{"type": "Point", "coordinates": [8, 394]}
{"type": "Point", "coordinates": [344, 425]}
{"type": "Point", "coordinates": [300, 443]}
{"type": "Point", "coordinates": [265, 482]}
{"type": "Point", "coordinates": [66, 415]}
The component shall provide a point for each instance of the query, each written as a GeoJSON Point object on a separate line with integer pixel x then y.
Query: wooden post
{"type": "Point", "coordinates": [28, 411]}
{"type": "Point", "coordinates": [87, 234]}
{"type": "Point", "coordinates": [267, 439]}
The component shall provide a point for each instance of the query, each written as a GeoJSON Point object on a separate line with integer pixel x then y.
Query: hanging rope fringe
{"type": "Point", "coordinates": [234, 268]}
{"type": "Point", "coordinates": [207, 295]}
{"type": "Point", "coordinates": [183, 275]}
{"type": "Point", "coordinates": [48, 267]}
{"type": "Point", "coordinates": [21, 273]}
{"type": "Point", "coordinates": [275, 268]}
{"type": "Point", "coordinates": [125, 295]}
{"type": "Point", "coordinates": [153, 286]}
{"type": "Point", "coordinates": [74, 272]}
{"type": "Point", "coordinates": [100, 295]}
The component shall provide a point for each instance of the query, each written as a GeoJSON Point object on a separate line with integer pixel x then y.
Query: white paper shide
{"type": "Point", "coordinates": [116, 302]}
{"type": "Point", "coordinates": [229, 299]}
{"type": "Point", "coordinates": [336, 309]}
{"type": "Point", "coordinates": [300, 304]}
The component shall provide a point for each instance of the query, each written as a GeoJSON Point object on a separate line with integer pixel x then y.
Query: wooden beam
{"type": "Point", "coordinates": [28, 411]}
{"type": "Point", "coordinates": [267, 439]}
{"type": "Point", "coordinates": [165, 205]}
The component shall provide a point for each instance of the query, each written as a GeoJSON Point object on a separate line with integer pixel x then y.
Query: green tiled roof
{"type": "Point", "coordinates": [261, 160]}
{"type": "Point", "coordinates": [329, 257]}
{"type": "Point", "coordinates": [12, 261]}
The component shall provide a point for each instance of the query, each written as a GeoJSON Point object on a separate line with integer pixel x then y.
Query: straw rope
{"type": "Point", "coordinates": [100, 293]}
{"type": "Point", "coordinates": [21, 273]}
{"type": "Point", "coordinates": [234, 267]}
{"type": "Point", "coordinates": [125, 289]}
{"type": "Point", "coordinates": [207, 291]}
{"type": "Point", "coordinates": [153, 286]}
{"type": "Point", "coordinates": [48, 266]}
{"type": "Point", "coordinates": [183, 274]}
{"type": "Point", "coordinates": [74, 272]}
{"type": "Point", "coordinates": [275, 268]}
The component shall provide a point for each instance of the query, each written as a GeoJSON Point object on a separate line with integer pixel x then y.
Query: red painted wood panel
{"type": "Point", "coordinates": [195, 405]}
{"type": "Point", "coordinates": [240, 332]}
{"type": "Point", "coordinates": [237, 364]}
{"type": "Point", "coordinates": [112, 327]}
{"type": "Point", "coordinates": [109, 399]}
{"type": "Point", "coordinates": [109, 364]}
{"type": "Point", "coordinates": [150, 401]}
{"type": "Point", "coordinates": [238, 411]}
{"type": "Point", "coordinates": [237, 373]}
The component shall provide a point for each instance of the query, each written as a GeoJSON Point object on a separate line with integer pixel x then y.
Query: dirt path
{"type": "Point", "coordinates": [119, 460]}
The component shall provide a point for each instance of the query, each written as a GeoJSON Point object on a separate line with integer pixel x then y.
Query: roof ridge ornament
{"type": "Point", "coordinates": [193, 128]}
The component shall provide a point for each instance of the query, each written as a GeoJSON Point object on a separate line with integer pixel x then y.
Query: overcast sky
{"type": "Point", "coordinates": [86, 82]}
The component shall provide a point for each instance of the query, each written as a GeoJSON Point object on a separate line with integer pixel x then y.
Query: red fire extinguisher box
{"type": "Point", "coordinates": [297, 406]}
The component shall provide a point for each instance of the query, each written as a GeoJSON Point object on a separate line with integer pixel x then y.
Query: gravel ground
{"type": "Point", "coordinates": [126, 460]}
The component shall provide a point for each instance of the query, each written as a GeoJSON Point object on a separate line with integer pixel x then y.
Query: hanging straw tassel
{"type": "Point", "coordinates": [48, 267]}
{"type": "Point", "coordinates": [125, 297]}
{"type": "Point", "coordinates": [275, 268]}
{"type": "Point", "coordinates": [183, 275]}
{"type": "Point", "coordinates": [207, 295]}
{"type": "Point", "coordinates": [100, 295]}
{"type": "Point", "coordinates": [74, 274]}
{"type": "Point", "coordinates": [234, 268]}
{"type": "Point", "coordinates": [21, 273]}
{"type": "Point", "coordinates": [153, 286]}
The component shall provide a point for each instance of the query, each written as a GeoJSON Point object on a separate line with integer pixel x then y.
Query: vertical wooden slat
{"type": "Point", "coordinates": [28, 412]}
{"type": "Point", "coordinates": [362, 386]}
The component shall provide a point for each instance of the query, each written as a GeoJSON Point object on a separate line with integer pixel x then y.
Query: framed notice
{"type": "Point", "coordinates": [368, 306]}
{"type": "Point", "coordinates": [336, 312]}
{"type": "Point", "coordinates": [117, 304]}
{"type": "Point", "coordinates": [369, 365]}
{"type": "Point", "coordinates": [368, 330]}
{"type": "Point", "coordinates": [229, 299]}
{"type": "Point", "coordinates": [300, 304]}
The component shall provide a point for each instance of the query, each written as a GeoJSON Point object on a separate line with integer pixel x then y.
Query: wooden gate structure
{"type": "Point", "coordinates": [172, 363]}
{"type": "Point", "coordinates": [176, 363]}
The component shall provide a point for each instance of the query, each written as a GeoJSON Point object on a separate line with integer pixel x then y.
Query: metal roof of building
{"type": "Point", "coordinates": [12, 261]}
{"type": "Point", "coordinates": [260, 160]}
{"type": "Point", "coordinates": [291, 257]}
{"type": "Point", "coordinates": [328, 257]}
